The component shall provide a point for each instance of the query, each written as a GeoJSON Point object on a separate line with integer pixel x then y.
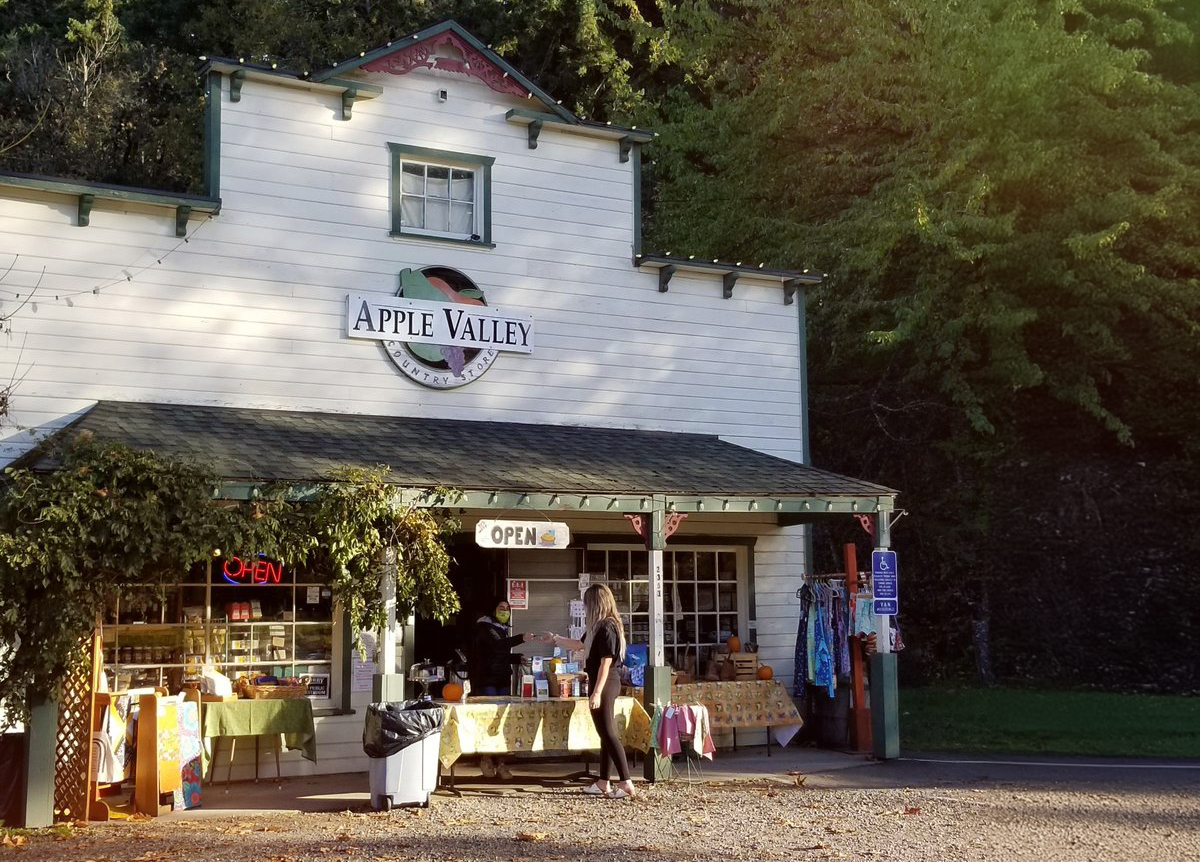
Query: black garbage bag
{"type": "Point", "coordinates": [12, 778]}
{"type": "Point", "coordinates": [393, 727]}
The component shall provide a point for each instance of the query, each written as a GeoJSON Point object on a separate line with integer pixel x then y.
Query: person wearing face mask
{"type": "Point", "coordinates": [490, 664]}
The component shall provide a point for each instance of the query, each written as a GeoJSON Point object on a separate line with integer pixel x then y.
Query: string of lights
{"type": "Point", "coordinates": [37, 294]}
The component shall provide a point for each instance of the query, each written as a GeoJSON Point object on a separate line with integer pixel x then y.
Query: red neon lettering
{"type": "Point", "coordinates": [259, 572]}
{"type": "Point", "coordinates": [235, 574]}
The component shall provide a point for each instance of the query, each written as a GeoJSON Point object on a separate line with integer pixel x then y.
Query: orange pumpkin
{"type": "Point", "coordinates": [765, 671]}
{"type": "Point", "coordinates": [734, 643]}
{"type": "Point", "coordinates": [452, 691]}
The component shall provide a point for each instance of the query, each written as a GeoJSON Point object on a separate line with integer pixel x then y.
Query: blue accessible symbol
{"type": "Point", "coordinates": [884, 578]}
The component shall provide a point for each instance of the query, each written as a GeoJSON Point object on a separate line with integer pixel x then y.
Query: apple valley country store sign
{"type": "Point", "coordinates": [438, 329]}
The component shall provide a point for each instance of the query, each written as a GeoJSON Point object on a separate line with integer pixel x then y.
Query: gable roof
{"type": "Point", "coordinates": [418, 50]}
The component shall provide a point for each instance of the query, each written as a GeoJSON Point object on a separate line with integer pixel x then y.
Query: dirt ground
{"type": "Point", "coordinates": [903, 811]}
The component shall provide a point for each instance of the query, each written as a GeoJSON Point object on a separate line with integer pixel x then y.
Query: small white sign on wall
{"type": "Point", "coordinates": [362, 671]}
{"type": "Point", "coordinates": [518, 594]}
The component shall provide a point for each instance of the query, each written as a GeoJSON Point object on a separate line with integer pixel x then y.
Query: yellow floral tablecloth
{"type": "Point", "coordinates": [497, 725]}
{"type": "Point", "coordinates": [751, 703]}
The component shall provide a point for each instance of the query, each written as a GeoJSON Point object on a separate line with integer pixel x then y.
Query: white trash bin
{"type": "Point", "coordinates": [407, 777]}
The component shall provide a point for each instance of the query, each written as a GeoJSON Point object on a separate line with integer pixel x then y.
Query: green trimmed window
{"type": "Point", "coordinates": [441, 195]}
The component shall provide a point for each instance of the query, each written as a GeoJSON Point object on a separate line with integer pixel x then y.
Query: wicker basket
{"type": "Point", "coordinates": [251, 691]}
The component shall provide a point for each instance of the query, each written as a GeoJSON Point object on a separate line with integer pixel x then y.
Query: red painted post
{"type": "Point", "coordinates": [860, 712]}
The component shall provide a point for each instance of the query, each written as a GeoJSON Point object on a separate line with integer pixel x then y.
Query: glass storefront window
{"type": "Point", "coordinates": [239, 616]}
{"type": "Point", "coordinates": [703, 597]}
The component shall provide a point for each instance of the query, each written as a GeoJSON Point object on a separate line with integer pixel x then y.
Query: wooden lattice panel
{"type": "Point", "coordinates": [73, 747]}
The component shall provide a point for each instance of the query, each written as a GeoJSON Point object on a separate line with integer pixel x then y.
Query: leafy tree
{"type": "Point", "coordinates": [1007, 202]}
{"type": "Point", "coordinates": [1005, 197]}
{"type": "Point", "coordinates": [135, 117]}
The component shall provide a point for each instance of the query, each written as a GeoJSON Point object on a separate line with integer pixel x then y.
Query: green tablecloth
{"type": "Point", "coordinates": [292, 717]}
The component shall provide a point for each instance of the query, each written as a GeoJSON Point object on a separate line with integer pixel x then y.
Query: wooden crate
{"type": "Point", "coordinates": [745, 665]}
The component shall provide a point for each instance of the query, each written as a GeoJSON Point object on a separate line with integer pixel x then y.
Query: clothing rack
{"type": "Point", "coordinates": [857, 589]}
{"type": "Point", "coordinates": [837, 576]}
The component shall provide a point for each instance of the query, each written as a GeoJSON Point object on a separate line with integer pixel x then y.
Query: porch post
{"type": "Point", "coordinates": [388, 685]}
{"type": "Point", "coordinates": [885, 696]}
{"type": "Point", "coordinates": [41, 738]}
{"type": "Point", "coordinates": [657, 687]}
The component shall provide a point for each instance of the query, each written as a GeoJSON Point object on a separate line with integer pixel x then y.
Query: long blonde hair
{"type": "Point", "coordinates": [600, 604]}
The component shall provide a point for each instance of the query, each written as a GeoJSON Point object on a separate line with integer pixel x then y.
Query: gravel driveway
{"type": "Point", "coordinates": [898, 811]}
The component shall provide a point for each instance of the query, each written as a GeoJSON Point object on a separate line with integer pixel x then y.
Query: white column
{"type": "Point", "coordinates": [389, 636]}
{"type": "Point", "coordinates": [657, 653]}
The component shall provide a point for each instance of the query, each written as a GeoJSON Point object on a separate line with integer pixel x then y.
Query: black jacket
{"type": "Point", "coordinates": [491, 660]}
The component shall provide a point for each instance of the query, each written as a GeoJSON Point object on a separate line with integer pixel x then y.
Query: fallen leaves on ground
{"type": "Point", "coordinates": [10, 840]}
{"type": "Point", "coordinates": [912, 809]}
{"type": "Point", "coordinates": [531, 836]}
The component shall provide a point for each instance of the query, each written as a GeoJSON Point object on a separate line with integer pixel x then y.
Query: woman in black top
{"type": "Point", "coordinates": [490, 664]}
{"type": "Point", "coordinates": [604, 644]}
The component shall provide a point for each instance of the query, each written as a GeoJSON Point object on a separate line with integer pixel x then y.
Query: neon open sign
{"type": "Point", "coordinates": [239, 571]}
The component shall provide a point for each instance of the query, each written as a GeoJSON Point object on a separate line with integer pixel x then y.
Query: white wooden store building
{"type": "Point", "coordinates": [418, 258]}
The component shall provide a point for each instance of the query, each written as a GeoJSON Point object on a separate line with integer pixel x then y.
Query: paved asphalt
{"type": "Point", "coordinates": [973, 770]}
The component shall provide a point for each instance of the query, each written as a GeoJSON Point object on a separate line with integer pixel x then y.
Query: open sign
{"type": "Point", "coordinates": [522, 534]}
{"type": "Point", "coordinates": [260, 571]}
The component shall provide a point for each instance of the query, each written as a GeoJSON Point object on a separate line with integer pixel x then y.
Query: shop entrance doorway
{"type": "Point", "coordinates": [479, 577]}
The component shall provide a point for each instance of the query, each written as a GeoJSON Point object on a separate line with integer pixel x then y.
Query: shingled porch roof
{"type": "Point", "coordinates": [256, 446]}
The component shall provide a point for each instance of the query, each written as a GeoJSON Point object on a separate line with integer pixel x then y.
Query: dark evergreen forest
{"type": "Point", "coordinates": [1005, 195]}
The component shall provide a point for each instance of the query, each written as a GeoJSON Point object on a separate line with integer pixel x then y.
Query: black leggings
{"type": "Point", "coordinates": [611, 749]}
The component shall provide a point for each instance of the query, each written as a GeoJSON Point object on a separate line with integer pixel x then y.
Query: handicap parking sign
{"type": "Point", "coordinates": [885, 582]}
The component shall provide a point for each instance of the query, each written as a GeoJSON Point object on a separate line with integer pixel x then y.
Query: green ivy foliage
{"type": "Point", "coordinates": [364, 530]}
{"type": "Point", "coordinates": [113, 521]}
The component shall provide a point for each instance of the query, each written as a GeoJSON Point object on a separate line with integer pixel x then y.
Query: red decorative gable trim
{"type": "Point", "coordinates": [432, 54]}
{"type": "Point", "coordinates": [641, 523]}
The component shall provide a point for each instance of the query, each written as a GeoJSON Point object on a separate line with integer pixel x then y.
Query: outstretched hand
{"type": "Point", "coordinates": [546, 638]}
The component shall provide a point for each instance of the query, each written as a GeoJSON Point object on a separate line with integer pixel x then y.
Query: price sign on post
{"type": "Point", "coordinates": [885, 582]}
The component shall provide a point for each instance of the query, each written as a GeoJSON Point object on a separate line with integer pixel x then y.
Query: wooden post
{"type": "Point", "coordinates": [388, 684]}
{"type": "Point", "coordinates": [860, 711]}
{"type": "Point", "coordinates": [657, 685]}
{"type": "Point", "coordinates": [41, 736]}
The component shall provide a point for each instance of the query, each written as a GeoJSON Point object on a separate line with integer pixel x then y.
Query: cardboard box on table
{"type": "Point", "coordinates": [566, 684]}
